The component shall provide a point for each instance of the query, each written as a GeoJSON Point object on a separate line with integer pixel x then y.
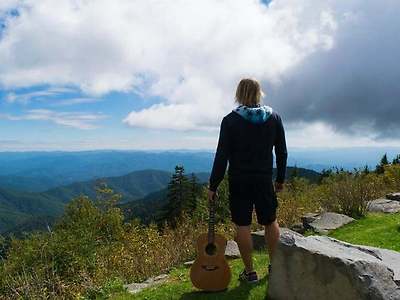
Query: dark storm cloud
{"type": "Point", "coordinates": [355, 86]}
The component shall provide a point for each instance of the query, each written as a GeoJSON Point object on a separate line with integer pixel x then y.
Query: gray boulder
{"type": "Point", "coordinates": [232, 250]}
{"type": "Point", "coordinates": [134, 288]}
{"type": "Point", "coordinates": [393, 196]}
{"type": "Point", "coordinates": [259, 240]}
{"type": "Point", "coordinates": [326, 222]}
{"type": "Point", "coordinates": [308, 218]}
{"type": "Point", "coordinates": [298, 227]}
{"type": "Point", "coordinates": [384, 205]}
{"type": "Point", "coordinates": [319, 267]}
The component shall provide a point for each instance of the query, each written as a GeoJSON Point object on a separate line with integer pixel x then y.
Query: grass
{"type": "Point", "coordinates": [378, 230]}
{"type": "Point", "coordinates": [179, 285]}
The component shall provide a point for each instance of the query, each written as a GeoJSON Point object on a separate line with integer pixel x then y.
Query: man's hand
{"type": "Point", "coordinates": [211, 196]}
{"type": "Point", "coordinates": [278, 187]}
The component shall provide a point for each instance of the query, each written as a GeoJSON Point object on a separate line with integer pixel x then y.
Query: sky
{"type": "Point", "coordinates": [81, 74]}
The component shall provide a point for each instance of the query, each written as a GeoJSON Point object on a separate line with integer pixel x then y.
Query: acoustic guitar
{"type": "Point", "coordinates": [210, 271]}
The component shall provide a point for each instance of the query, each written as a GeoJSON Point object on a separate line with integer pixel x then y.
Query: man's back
{"type": "Point", "coordinates": [251, 144]}
{"type": "Point", "coordinates": [247, 144]}
{"type": "Point", "coordinates": [247, 137]}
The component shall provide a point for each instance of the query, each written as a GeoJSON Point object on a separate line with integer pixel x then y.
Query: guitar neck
{"type": "Point", "coordinates": [211, 223]}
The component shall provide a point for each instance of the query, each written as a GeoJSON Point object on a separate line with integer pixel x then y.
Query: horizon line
{"type": "Point", "coordinates": [191, 149]}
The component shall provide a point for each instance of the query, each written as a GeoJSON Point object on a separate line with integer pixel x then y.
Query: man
{"type": "Point", "coordinates": [247, 138]}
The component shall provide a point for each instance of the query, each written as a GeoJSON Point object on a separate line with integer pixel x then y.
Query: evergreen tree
{"type": "Point", "coordinates": [380, 169]}
{"type": "Point", "coordinates": [384, 160]}
{"type": "Point", "coordinates": [366, 170]}
{"type": "Point", "coordinates": [396, 160]}
{"type": "Point", "coordinates": [178, 196]}
{"type": "Point", "coordinates": [324, 174]}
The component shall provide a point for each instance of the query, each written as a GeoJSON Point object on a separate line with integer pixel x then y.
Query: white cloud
{"type": "Point", "coordinates": [190, 53]}
{"type": "Point", "coordinates": [76, 101]}
{"type": "Point", "coordinates": [319, 134]}
{"type": "Point", "coordinates": [35, 95]}
{"type": "Point", "coordinates": [6, 5]}
{"type": "Point", "coordinates": [54, 95]}
{"type": "Point", "coordinates": [77, 120]}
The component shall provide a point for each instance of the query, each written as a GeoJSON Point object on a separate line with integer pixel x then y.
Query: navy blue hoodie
{"type": "Point", "coordinates": [247, 138]}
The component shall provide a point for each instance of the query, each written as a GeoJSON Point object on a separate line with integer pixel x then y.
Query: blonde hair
{"type": "Point", "coordinates": [248, 92]}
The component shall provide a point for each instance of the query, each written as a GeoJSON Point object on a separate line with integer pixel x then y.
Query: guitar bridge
{"type": "Point", "coordinates": [209, 268]}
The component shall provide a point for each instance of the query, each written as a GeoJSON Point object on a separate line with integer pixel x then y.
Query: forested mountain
{"type": "Point", "coordinates": [131, 186]}
{"type": "Point", "coordinates": [18, 208]}
{"type": "Point", "coordinates": [149, 208]}
{"type": "Point", "coordinates": [144, 190]}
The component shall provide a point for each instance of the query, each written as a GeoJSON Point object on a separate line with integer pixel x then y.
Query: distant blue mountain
{"type": "Point", "coordinates": [347, 158]}
{"type": "Point", "coordinates": [40, 171]}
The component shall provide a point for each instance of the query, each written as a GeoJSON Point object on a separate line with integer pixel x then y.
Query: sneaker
{"type": "Point", "coordinates": [249, 277]}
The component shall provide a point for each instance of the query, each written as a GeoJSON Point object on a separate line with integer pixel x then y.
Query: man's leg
{"type": "Point", "coordinates": [245, 243]}
{"type": "Point", "coordinates": [272, 237]}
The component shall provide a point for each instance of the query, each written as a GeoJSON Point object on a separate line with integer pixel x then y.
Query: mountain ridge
{"type": "Point", "coordinates": [18, 209]}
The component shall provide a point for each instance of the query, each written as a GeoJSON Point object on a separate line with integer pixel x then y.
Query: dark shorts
{"type": "Point", "coordinates": [249, 192]}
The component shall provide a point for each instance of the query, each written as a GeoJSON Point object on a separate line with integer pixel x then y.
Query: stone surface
{"type": "Point", "coordinates": [308, 218]}
{"type": "Point", "coordinates": [137, 287]}
{"type": "Point", "coordinates": [298, 227]}
{"type": "Point", "coordinates": [384, 205]}
{"type": "Point", "coordinates": [328, 221]}
{"type": "Point", "coordinates": [319, 267]}
{"type": "Point", "coordinates": [259, 240]}
{"type": "Point", "coordinates": [393, 196]}
{"type": "Point", "coordinates": [232, 249]}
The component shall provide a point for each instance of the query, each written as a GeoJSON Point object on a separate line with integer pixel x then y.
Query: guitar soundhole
{"type": "Point", "coordinates": [211, 249]}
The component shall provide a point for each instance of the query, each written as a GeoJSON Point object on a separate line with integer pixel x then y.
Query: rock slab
{"type": "Point", "coordinates": [134, 288]}
{"type": "Point", "coordinates": [384, 206]}
{"type": "Point", "coordinates": [298, 227]}
{"type": "Point", "coordinates": [259, 240]}
{"type": "Point", "coordinates": [309, 218]}
{"type": "Point", "coordinates": [326, 222]}
{"type": "Point", "coordinates": [320, 267]}
{"type": "Point", "coordinates": [232, 250]}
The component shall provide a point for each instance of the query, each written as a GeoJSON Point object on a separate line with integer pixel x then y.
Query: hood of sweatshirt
{"type": "Point", "coordinates": [256, 115]}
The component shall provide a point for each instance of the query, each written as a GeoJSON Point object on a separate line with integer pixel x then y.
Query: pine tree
{"type": "Point", "coordinates": [178, 196]}
{"type": "Point", "coordinates": [380, 169]}
{"type": "Point", "coordinates": [366, 170]}
{"type": "Point", "coordinates": [396, 160]}
{"type": "Point", "coordinates": [324, 174]}
{"type": "Point", "coordinates": [384, 160]}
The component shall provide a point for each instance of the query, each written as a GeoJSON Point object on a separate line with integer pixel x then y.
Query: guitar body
{"type": "Point", "coordinates": [210, 271]}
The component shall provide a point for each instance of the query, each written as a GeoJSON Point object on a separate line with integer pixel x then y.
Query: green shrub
{"type": "Point", "coordinates": [349, 193]}
{"type": "Point", "coordinates": [391, 178]}
{"type": "Point", "coordinates": [91, 250]}
{"type": "Point", "coordinates": [298, 197]}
